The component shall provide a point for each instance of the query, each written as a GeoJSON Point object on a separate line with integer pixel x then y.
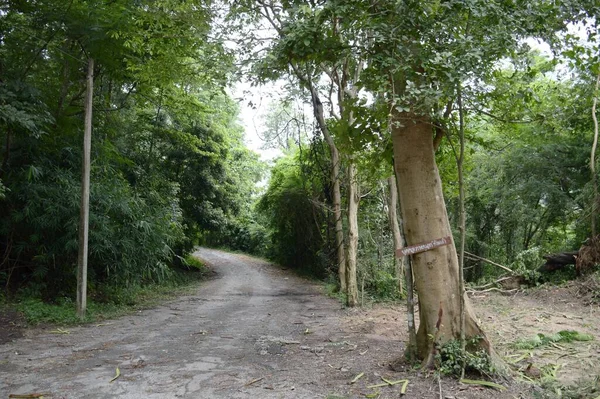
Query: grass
{"type": "Point", "coordinates": [540, 339]}
{"type": "Point", "coordinates": [332, 290]}
{"type": "Point", "coordinates": [108, 302]}
{"type": "Point", "coordinates": [551, 389]}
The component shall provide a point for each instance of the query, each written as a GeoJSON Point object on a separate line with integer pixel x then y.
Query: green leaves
{"type": "Point", "coordinates": [169, 164]}
{"type": "Point", "coordinates": [21, 110]}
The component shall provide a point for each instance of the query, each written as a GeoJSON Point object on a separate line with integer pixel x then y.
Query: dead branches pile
{"type": "Point", "coordinates": [589, 256]}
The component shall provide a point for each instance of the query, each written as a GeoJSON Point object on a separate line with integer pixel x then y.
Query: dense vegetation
{"type": "Point", "coordinates": [528, 185]}
{"type": "Point", "coordinates": [169, 167]}
{"type": "Point", "coordinates": [526, 116]}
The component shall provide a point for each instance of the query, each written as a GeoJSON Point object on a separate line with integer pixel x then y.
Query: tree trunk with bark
{"type": "Point", "coordinates": [403, 270]}
{"type": "Point", "coordinates": [353, 200]}
{"type": "Point", "coordinates": [335, 182]}
{"type": "Point", "coordinates": [593, 158]}
{"type": "Point", "coordinates": [396, 233]}
{"type": "Point", "coordinates": [82, 259]}
{"type": "Point", "coordinates": [425, 218]}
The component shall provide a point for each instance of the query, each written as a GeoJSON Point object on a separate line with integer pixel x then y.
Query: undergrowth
{"type": "Point", "coordinates": [332, 289]}
{"type": "Point", "coordinates": [540, 339]}
{"type": "Point", "coordinates": [450, 358]}
{"type": "Point", "coordinates": [106, 302]}
{"type": "Point", "coordinates": [552, 389]}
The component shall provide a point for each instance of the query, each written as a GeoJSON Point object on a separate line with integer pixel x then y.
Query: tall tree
{"type": "Point", "coordinates": [84, 212]}
{"type": "Point", "coordinates": [596, 196]}
{"type": "Point", "coordinates": [298, 28]}
{"type": "Point", "coordinates": [424, 49]}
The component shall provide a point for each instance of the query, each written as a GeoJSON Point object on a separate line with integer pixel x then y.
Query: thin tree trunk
{"type": "Point", "coordinates": [335, 181]}
{"type": "Point", "coordinates": [353, 200]}
{"type": "Point", "coordinates": [343, 89]}
{"type": "Point", "coordinates": [462, 222]}
{"type": "Point", "coordinates": [85, 196]}
{"type": "Point", "coordinates": [404, 270]}
{"type": "Point", "coordinates": [396, 234]}
{"type": "Point", "coordinates": [593, 158]}
{"type": "Point", "coordinates": [425, 218]}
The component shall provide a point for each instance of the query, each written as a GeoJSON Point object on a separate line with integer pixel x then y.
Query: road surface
{"type": "Point", "coordinates": [253, 331]}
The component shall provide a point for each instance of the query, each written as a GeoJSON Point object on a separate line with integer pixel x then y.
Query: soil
{"type": "Point", "coordinates": [257, 331]}
{"type": "Point", "coordinates": [12, 325]}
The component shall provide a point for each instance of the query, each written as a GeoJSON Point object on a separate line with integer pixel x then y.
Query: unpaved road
{"type": "Point", "coordinates": [238, 327]}
{"type": "Point", "coordinates": [255, 331]}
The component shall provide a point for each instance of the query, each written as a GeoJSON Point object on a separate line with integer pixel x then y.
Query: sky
{"type": "Point", "coordinates": [253, 102]}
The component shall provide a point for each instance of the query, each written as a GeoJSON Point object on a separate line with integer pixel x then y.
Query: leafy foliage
{"type": "Point", "coordinates": [169, 164]}
{"type": "Point", "coordinates": [293, 206]}
{"type": "Point", "coordinates": [450, 359]}
{"type": "Point", "coordinates": [544, 340]}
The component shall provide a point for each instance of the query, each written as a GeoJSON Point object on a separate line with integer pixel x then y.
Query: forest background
{"type": "Point", "coordinates": [170, 169]}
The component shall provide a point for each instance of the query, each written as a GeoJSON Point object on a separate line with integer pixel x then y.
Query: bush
{"type": "Point", "coordinates": [384, 286]}
{"type": "Point", "coordinates": [130, 236]}
{"type": "Point", "coordinates": [526, 264]}
{"type": "Point", "coordinates": [450, 358]}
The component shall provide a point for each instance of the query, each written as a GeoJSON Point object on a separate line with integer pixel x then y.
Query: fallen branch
{"type": "Point", "coordinates": [358, 377]}
{"type": "Point", "coordinates": [60, 331]}
{"type": "Point", "coordinates": [388, 383]}
{"type": "Point", "coordinates": [507, 292]}
{"type": "Point", "coordinates": [521, 357]}
{"type": "Point", "coordinates": [484, 384]}
{"type": "Point", "coordinates": [117, 375]}
{"type": "Point", "coordinates": [254, 381]}
{"type": "Point", "coordinates": [482, 287]}
{"type": "Point", "coordinates": [475, 257]}
{"type": "Point", "coordinates": [403, 387]}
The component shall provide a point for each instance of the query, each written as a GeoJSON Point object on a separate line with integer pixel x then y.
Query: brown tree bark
{"type": "Point", "coordinates": [82, 259]}
{"type": "Point", "coordinates": [396, 233]}
{"type": "Point", "coordinates": [353, 200]}
{"type": "Point", "coordinates": [425, 218]}
{"type": "Point", "coordinates": [403, 269]}
{"type": "Point", "coordinates": [335, 181]}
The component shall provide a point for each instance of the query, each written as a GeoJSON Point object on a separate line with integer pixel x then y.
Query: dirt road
{"type": "Point", "coordinates": [251, 322]}
{"type": "Point", "coordinates": [254, 331]}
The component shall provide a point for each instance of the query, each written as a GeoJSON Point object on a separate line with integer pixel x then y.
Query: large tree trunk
{"type": "Point", "coordinates": [353, 200]}
{"type": "Point", "coordinates": [425, 218]}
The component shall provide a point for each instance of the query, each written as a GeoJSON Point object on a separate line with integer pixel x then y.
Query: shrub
{"type": "Point", "coordinates": [450, 358]}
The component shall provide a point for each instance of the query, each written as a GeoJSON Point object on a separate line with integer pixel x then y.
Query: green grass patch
{"type": "Point", "coordinates": [194, 263]}
{"type": "Point", "coordinates": [541, 340]}
{"type": "Point", "coordinates": [107, 302]}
